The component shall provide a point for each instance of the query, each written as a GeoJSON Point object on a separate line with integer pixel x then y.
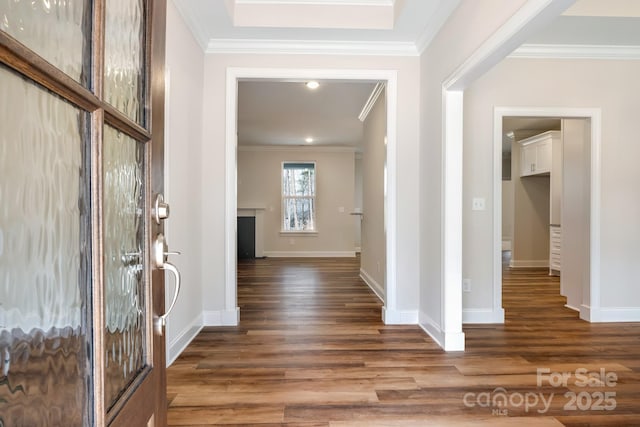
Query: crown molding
{"type": "Point", "coordinates": [199, 33]}
{"type": "Point", "coordinates": [375, 94]}
{"type": "Point", "coordinates": [567, 51]}
{"type": "Point", "coordinates": [310, 47]}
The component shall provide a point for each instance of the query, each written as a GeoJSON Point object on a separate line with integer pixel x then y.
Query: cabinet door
{"type": "Point", "coordinates": [543, 157]}
{"type": "Point", "coordinates": [527, 160]}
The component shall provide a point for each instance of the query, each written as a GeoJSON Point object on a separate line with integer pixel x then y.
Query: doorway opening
{"type": "Point", "coordinates": [231, 315]}
{"type": "Point", "coordinates": [546, 211]}
{"type": "Point", "coordinates": [531, 189]}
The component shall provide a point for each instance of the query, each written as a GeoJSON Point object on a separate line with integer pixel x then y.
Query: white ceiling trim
{"type": "Point", "coordinates": [560, 51]}
{"type": "Point", "coordinates": [309, 47]}
{"type": "Point", "coordinates": [375, 94]}
{"type": "Point", "coordinates": [533, 15]}
{"type": "Point", "coordinates": [199, 33]}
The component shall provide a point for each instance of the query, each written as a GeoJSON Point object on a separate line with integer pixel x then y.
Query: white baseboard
{"type": "Point", "coordinates": [183, 339]}
{"type": "Point", "coordinates": [482, 315]}
{"type": "Point", "coordinates": [529, 263]}
{"type": "Point", "coordinates": [375, 286]}
{"type": "Point", "coordinates": [610, 314]}
{"type": "Point", "coordinates": [451, 341]}
{"type": "Point", "coordinates": [399, 317]}
{"type": "Point", "coordinates": [572, 307]}
{"type": "Point", "coordinates": [310, 254]}
{"type": "Point", "coordinates": [506, 245]}
{"type": "Point", "coordinates": [221, 317]}
{"type": "Point", "coordinates": [431, 328]}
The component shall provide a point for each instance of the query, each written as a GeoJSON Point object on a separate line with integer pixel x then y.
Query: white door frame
{"type": "Point", "coordinates": [231, 197]}
{"type": "Point", "coordinates": [590, 307]}
{"type": "Point", "coordinates": [529, 18]}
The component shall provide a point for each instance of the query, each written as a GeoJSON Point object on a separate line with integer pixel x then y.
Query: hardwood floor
{"type": "Point", "coordinates": [311, 350]}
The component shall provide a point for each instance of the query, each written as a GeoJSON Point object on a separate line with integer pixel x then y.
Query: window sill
{"type": "Point", "coordinates": [298, 233]}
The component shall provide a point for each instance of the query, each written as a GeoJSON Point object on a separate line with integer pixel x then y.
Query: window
{"type": "Point", "coordinates": [298, 196]}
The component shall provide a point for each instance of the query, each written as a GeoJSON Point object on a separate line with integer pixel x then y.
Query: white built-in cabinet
{"type": "Point", "coordinates": [541, 155]}
{"type": "Point", "coordinates": [536, 153]}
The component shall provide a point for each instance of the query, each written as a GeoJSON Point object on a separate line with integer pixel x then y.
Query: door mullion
{"type": "Point", "coordinates": [21, 59]}
{"type": "Point", "coordinates": [118, 120]}
{"type": "Point", "coordinates": [99, 409]}
{"type": "Point", "coordinates": [97, 48]}
{"type": "Point", "coordinates": [97, 126]}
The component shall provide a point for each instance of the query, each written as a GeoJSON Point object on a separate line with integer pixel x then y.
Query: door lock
{"type": "Point", "coordinates": [160, 209]}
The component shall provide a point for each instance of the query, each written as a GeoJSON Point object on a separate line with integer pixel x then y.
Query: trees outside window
{"type": "Point", "coordinates": [298, 196]}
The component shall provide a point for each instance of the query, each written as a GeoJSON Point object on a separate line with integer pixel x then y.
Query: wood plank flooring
{"type": "Point", "coordinates": [311, 351]}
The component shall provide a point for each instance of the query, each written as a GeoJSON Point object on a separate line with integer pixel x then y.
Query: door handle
{"type": "Point", "coordinates": [160, 255]}
{"type": "Point", "coordinates": [172, 268]}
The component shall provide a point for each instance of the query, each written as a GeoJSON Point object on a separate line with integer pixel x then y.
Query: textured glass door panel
{"type": "Point", "coordinates": [125, 305]}
{"type": "Point", "coordinates": [44, 258]}
{"type": "Point", "coordinates": [124, 57]}
{"type": "Point", "coordinates": [57, 30]}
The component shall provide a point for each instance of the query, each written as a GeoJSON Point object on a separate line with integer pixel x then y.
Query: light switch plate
{"type": "Point", "coordinates": [478, 204]}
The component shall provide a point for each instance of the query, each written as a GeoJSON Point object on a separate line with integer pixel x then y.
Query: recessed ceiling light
{"type": "Point", "coordinates": [308, 140]}
{"type": "Point", "coordinates": [313, 84]}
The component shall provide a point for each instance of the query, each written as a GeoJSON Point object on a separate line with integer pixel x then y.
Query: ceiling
{"type": "Point", "coordinates": [518, 128]}
{"type": "Point", "coordinates": [285, 113]}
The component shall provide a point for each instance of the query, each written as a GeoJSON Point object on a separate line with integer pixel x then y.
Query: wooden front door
{"type": "Point", "coordinates": [82, 257]}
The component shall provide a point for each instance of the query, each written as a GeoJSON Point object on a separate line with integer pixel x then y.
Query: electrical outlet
{"type": "Point", "coordinates": [341, 209]}
{"type": "Point", "coordinates": [378, 266]}
{"type": "Point", "coordinates": [466, 285]}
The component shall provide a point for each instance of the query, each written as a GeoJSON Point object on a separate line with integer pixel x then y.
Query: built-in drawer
{"type": "Point", "coordinates": [555, 249]}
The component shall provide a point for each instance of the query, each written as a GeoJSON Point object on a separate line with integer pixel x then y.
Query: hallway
{"type": "Point", "coordinates": [311, 350]}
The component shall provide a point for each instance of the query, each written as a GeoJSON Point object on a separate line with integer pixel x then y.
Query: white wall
{"type": "Point", "coordinates": [213, 162]}
{"type": "Point", "coordinates": [531, 199]}
{"type": "Point", "coordinates": [183, 188]}
{"type": "Point", "coordinates": [471, 24]}
{"type": "Point", "coordinates": [420, 268]}
{"type": "Point", "coordinates": [357, 202]}
{"type": "Point", "coordinates": [575, 217]}
{"type": "Point", "coordinates": [507, 211]}
{"type": "Point", "coordinates": [260, 185]}
{"type": "Point", "coordinates": [609, 85]}
{"type": "Point", "coordinates": [373, 256]}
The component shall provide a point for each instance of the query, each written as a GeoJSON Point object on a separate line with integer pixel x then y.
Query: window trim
{"type": "Point", "coordinates": [314, 198]}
